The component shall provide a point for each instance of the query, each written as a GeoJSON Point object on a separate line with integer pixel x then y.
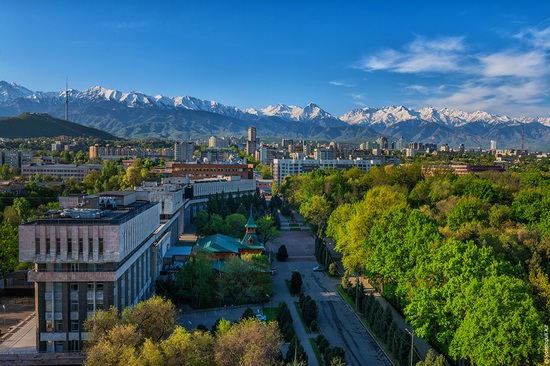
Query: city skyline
{"type": "Point", "coordinates": [467, 56]}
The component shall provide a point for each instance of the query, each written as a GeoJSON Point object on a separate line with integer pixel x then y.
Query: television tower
{"type": "Point", "coordinates": [67, 99]}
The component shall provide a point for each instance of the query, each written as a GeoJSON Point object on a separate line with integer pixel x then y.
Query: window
{"type": "Point", "coordinates": [47, 245]}
{"type": "Point", "coordinates": [74, 346]}
{"type": "Point", "coordinates": [37, 245]}
{"type": "Point", "coordinates": [74, 326]}
{"type": "Point", "coordinates": [74, 305]}
{"type": "Point", "coordinates": [100, 249]}
{"type": "Point", "coordinates": [57, 246]}
{"type": "Point", "coordinates": [59, 325]}
{"type": "Point", "coordinates": [80, 245]}
{"type": "Point", "coordinates": [90, 245]}
{"type": "Point", "coordinates": [74, 267]}
{"type": "Point", "coordinates": [49, 327]}
{"type": "Point", "coordinates": [69, 245]}
{"type": "Point", "coordinates": [74, 286]}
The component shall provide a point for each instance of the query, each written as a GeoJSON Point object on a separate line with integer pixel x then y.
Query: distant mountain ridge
{"type": "Point", "coordinates": [135, 114]}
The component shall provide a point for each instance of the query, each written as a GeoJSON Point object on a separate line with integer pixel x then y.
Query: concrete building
{"type": "Point", "coordinates": [251, 141]}
{"type": "Point", "coordinates": [285, 167]}
{"type": "Point", "coordinates": [101, 253]}
{"type": "Point", "coordinates": [212, 170]}
{"type": "Point", "coordinates": [15, 158]}
{"type": "Point", "coordinates": [183, 151]}
{"type": "Point", "coordinates": [62, 171]}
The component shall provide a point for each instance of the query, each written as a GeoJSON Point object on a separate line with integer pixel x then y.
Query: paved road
{"type": "Point", "coordinates": [336, 320]}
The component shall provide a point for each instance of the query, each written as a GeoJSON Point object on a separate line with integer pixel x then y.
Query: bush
{"type": "Point", "coordinates": [282, 253]}
{"type": "Point", "coordinates": [333, 269]}
{"type": "Point", "coordinates": [322, 343]}
{"type": "Point", "coordinates": [332, 353]}
{"type": "Point", "coordinates": [296, 353]}
{"type": "Point", "coordinates": [295, 282]}
{"type": "Point", "coordinates": [314, 326]}
{"type": "Point", "coordinates": [248, 314]}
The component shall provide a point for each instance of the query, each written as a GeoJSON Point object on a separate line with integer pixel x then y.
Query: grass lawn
{"type": "Point", "coordinates": [316, 351]}
{"type": "Point", "coordinates": [382, 344]}
{"type": "Point", "coordinates": [306, 328]}
{"type": "Point", "coordinates": [270, 313]}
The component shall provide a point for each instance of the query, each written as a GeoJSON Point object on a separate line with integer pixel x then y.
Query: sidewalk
{"type": "Point", "coordinates": [283, 295]}
{"type": "Point", "coordinates": [23, 340]}
{"type": "Point", "coordinates": [421, 345]}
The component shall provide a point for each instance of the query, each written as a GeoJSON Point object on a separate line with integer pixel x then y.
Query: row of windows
{"type": "Point", "coordinates": [70, 246]}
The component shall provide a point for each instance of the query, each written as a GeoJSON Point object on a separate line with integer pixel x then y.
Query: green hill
{"type": "Point", "coordinates": [28, 125]}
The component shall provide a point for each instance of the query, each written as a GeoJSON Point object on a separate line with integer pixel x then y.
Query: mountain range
{"type": "Point", "coordinates": [138, 115]}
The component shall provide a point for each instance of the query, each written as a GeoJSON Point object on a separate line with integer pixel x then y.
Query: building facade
{"type": "Point", "coordinates": [286, 167]}
{"type": "Point", "coordinates": [201, 171]}
{"type": "Point", "coordinates": [62, 171]}
{"type": "Point", "coordinates": [99, 254]}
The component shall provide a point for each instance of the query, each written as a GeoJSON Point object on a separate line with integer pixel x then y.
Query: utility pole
{"type": "Point", "coordinates": [411, 332]}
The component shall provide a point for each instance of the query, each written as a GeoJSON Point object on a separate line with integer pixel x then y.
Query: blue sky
{"type": "Point", "coordinates": [468, 55]}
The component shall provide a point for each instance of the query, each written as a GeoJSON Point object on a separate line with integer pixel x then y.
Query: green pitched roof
{"type": "Point", "coordinates": [250, 224]}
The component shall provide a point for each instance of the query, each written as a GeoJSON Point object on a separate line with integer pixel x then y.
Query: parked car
{"type": "Point", "coordinates": [319, 269]}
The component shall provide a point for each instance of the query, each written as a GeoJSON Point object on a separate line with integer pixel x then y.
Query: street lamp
{"type": "Point", "coordinates": [411, 332]}
{"type": "Point", "coordinates": [4, 307]}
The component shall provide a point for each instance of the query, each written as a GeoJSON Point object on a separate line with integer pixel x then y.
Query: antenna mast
{"type": "Point", "coordinates": [67, 99]}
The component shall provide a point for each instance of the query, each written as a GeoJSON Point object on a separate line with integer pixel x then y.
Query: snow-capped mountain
{"type": "Point", "coordinates": [135, 114]}
{"type": "Point", "coordinates": [391, 115]}
{"type": "Point", "coordinates": [310, 112]}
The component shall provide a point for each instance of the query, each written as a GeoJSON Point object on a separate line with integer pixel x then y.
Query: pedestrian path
{"type": "Point", "coordinates": [283, 295]}
{"type": "Point", "coordinates": [22, 340]}
{"type": "Point", "coordinates": [421, 345]}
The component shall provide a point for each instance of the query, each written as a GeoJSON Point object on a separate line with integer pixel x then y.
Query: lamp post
{"type": "Point", "coordinates": [411, 332]}
{"type": "Point", "coordinates": [4, 307]}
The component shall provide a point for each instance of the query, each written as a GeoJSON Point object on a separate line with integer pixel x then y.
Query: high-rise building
{"type": "Point", "coordinates": [251, 133]}
{"type": "Point", "coordinates": [183, 151]}
{"type": "Point", "coordinates": [251, 142]}
{"type": "Point", "coordinates": [493, 145]}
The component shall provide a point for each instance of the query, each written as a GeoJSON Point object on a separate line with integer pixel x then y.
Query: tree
{"type": "Point", "coordinates": [316, 210]}
{"type": "Point", "coordinates": [248, 314]}
{"type": "Point", "coordinates": [234, 225]}
{"type": "Point", "coordinates": [195, 280]}
{"type": "Point", "coordinates": [282, 253]}
{"type": "Point", "coordinates": [185, 348]}
{"type": "Point", "coordinates": [249, 343]}
{"type": "Point", "coordinates": [9, 245]}
{"type": "Point", "coordinates": [501, 325]}
{"type": "Point", "coordinates": [296, 355]}
{"type": "Point", "coordinates": [245, 279]}
{"type": "Point", "coordinates": [22, 207]}
{"type": "Point", "coordinates": [295, 282]}
{"type": "Point", "coordinates": [153, 318]}
{"type": "Point", "coordinates": [431, 360]}
{"type": "Point", "coordinates": [266, 229]}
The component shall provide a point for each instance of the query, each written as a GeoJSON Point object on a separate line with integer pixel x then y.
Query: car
{"type": "Point", "coordinates": [261, 317]}
{"type": "Point", "coordinates": [273, 271]}
{"type": "Point", "coordinates": [318, 269]}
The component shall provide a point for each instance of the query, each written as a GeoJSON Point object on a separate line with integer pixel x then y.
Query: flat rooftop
{"type": "Point", "coordinates": [116, 216]}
